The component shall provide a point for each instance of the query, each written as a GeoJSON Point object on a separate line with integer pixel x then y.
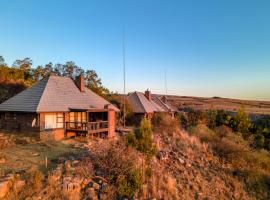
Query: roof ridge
{"type": "Point", "coordinates": [140, 101]}
{"type": "Point", "coordinates": [43, 91]}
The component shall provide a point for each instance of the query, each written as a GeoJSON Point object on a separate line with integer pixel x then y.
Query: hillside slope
{"type": "Point", "coordinates": [254, 107]}
{"type": "Point", "coordinates": [186, 169]}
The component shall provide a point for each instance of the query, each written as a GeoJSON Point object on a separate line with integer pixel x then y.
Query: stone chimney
{"type": "Point", "coordinates": [79, 81]}
{"type": "Point", "coordinates": [147, 94]}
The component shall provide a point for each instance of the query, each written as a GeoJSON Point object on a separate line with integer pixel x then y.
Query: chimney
{"type": "Point", "coordinates": [147, 94]}
{"type": "Point", "coordinates": [79, 81]}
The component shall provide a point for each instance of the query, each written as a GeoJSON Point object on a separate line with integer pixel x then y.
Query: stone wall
{"type": "Point", "coordinates": [19, 121]}
{"type": "Point", "coordinates": [51, 134]}
{"type": "Point", "coordinates": [111, 123]}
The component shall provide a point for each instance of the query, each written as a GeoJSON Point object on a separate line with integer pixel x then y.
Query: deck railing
{"type": "Point", "coordinates": [86, 126]}
{"type": "Point", "coordinates": [80, 126]}
{"type": "Point", "coordinates": [97, 125]}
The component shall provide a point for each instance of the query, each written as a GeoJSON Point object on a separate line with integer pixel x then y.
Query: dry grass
{"type": "Point", "coordinates": [188, 169]}
{"type": "Point", "coordinates": [32, 155]}
{"type": "Point", "coordinates": [255, 107]}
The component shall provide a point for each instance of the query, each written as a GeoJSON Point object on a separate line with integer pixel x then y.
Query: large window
{"type": "Point", "coordinates": [55, 120]}
{"type": "Point", "coordinates": [77, 116]}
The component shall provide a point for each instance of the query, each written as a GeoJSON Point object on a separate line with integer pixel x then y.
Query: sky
{"type": "Point", "coordinates": [208, 48]}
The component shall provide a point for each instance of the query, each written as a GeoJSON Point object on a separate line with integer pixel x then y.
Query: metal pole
{"type": "Point", "coordinates": [124, 74]}
{"type": "Point", "coordinates": [166, 90]}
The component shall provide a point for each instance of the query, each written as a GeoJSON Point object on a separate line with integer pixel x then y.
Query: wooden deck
{"type": "Point", "coordinates": [88, 127]}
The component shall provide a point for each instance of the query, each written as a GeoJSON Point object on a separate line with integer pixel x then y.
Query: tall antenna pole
{"type": "Point", "coordinates": [165, 79]}
{"type": "Point", "coordinates": [124, 74]}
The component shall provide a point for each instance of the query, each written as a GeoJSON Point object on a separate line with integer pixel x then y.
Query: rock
{"type": "Point", "coordinates": [91, 193]}
{"type": "Point", "coordinates": [18, 185]}
{"type": "Point", "coordinates": [68, 165]}
{"type": "Point", "coordinates": [87, 182]}
{"type": "Point", "coordinates": [5, 187]}
{"type": "Point", "coordinates": [75, 162]}
{"type": "Point", "coordinates": [181, 160]}
{"type": "Point", "coordinates": [96, 186]}
{"type": "Point", "coordinates": [54, 176]}
{"type": "Point", "coordinates": [2, 160]}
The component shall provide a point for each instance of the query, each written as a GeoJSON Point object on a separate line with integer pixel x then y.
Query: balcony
{"type": "Point", "coordinates": [76, 126]}
{"type": "Point", "coordinates": [90, 127]}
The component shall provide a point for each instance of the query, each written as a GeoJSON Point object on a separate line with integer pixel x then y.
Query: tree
{"type": "Point", "coordinates": [93, 82]}
{"type": "Point", "coordinates": [48, 70]}
{"type": "Point", "coordinates": [24, 64]}
{"type": "Point", "coordinates": [242, 121]}
{"type": "Point", "coordinates": [2, 61]}
{"type": "Point", "coordinates": [38, 73]}
{"type": "Point", "coordinates": [142, 138]}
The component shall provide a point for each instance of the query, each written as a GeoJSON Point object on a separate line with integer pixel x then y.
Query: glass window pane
{"type": "Point", "coordinates": [50, 121]}
{"type": "Point", "coordinates": [71, 116]}
{"type": "Point", "coordinates": [84, 116]}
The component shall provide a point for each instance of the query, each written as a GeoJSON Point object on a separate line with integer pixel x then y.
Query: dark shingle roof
{"type": "Point", "coordinates": [54, 94]}
{"type": "Point", "coordinates": [140, 104]}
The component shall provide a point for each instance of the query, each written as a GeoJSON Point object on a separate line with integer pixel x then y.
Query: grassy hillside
{"type": "Point", "coordinates": [255, 107]}
{"type": "Point", "coordinates": [158, 160]}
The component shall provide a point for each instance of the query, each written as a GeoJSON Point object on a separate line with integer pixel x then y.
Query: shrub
{"type": "Point", "coordinates": [223, 118]}
{"type": "Point", "coordinates": [223, 131]}
{"type": "Point", "coordinates": [118, 165]}
{"type": "Point", "coordinates": [194, 117]}
{"type": "Point", "coordinates": [242, 121]}
{"type": "Point", "coordinates": [37, 179]}
{"type": "Point", "coordinates": [211, 116]}
{"type": "Point", "coordinates": [259, 141]}
{"type": "Point", "coordinates": [203, 133]}
{"type": "Point", "coordinates": [166, 123]}
{"type": "Point", "coordinates": [142, 138]}
{"type": "Point", "coordinates": [183, 120]}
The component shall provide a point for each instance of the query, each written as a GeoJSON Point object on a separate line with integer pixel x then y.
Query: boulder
{"type": "Point", "coordinates": [5, 186]}
{"type": "Point", "coordinates": [18, 185]}
{"type": "Point", "coordinates": [96, 186]}
{"type": "Point", "coordinates": [91, 193]}
{"type": "Point", "coordinates": [181, 160]}
{"type": "Point", "coordinates": [2, 160]}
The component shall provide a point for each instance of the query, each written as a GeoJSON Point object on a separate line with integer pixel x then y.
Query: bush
{"type": "Point", "coordinates": [37, 179]}
{"type": "Point", "coordinates": [118, 165]}
{"type": "Point", "coordinates": [142, 138]}
{"type": "Point", "coordinates": [166, 123]}
{"type": "Point", "coordinates": [223, 118]}
{"type": "Point", "coordinates": [211, 116]}
{"type": "Point", "coordinates": [194, 117]}
{"type": "Point", "coordinates": [259, 141]}
{"type": "Point", "coordinates": [242, 122]}
{"type": "Point", "coordinates": [183, 120]}
{"type": "Point", "coordinates": [203, 133]}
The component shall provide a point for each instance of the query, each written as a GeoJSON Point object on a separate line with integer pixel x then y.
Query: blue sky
{"type": "Point", "coordinates": [210, 48]}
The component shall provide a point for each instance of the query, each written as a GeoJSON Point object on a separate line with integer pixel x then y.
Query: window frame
{"type": "Point", "coordinates": [57, 123]}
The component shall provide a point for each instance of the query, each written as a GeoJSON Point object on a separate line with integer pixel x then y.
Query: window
{"type": "Point", "coordinates": [59, 120]}
{"type": "Point", "coordinates": [72, 117]}
{"type": "Point", "coordinates": [77, 116]}
{"type": "Point", "coordinates": [14, 116]}
{"type": "Point", "coordinates": [54, 121]}
{"type": "Point", "coordinates": [8, 115]}
{"type": "Point", "coordinates": [83, 116]}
